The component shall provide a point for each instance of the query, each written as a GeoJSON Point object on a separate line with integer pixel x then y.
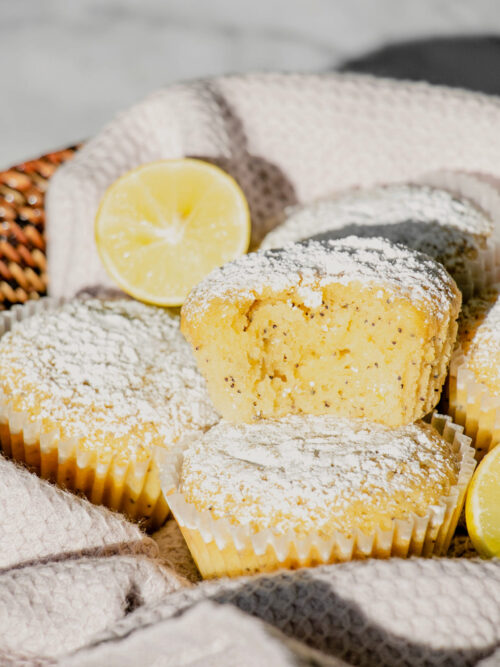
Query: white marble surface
{"type": "Point", "coordinates": [69, 65]}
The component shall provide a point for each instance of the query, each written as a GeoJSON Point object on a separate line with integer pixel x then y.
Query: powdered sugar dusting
{"type": "Point", "coordinates": [313, 264]}
{"type": "Point", "coordinates": [479, 334]}
{"type": "Point", "coordinates": [117, 374]}
{"type": "Point", "coordinates": [307, 471]}
{"type": "Point", "coordinates": [417, 209]}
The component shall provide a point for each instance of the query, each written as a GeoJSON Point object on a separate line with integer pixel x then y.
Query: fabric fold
{"type": "Point", "coordinates": [52, 608]}
{"type": "Point", "coordinates": [286, 139]}
{"type": "Point", "coordinates": [417, 611]}
{"type": "Point", "coordinates": [40, 521]}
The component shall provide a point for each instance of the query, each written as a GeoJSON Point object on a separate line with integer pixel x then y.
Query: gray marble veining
{"type": "Point", "coordinates": [68, 66]}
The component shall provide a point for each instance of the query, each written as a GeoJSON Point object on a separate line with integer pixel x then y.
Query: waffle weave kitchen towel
{"type": "Point", "coordinates": [81, 586]}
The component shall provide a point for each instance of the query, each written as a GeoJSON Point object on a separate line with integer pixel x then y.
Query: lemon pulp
{"type": "Point", "coordinates": [482, 508]}
{"type": "Point", "coordinates": [162, 227]}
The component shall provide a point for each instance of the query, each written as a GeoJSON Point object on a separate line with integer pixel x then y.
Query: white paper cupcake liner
{"type": "Point", "coordinates": [130, 487]}
{"type": "Point", "coordinates": [221, 548]}
{"type": "Point", "coordinates": [471, 405]}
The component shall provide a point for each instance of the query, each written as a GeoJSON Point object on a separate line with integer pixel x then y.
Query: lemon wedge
{"type": "Point", "coordinates": [482, 509]}
{"type": "Point", "coordinates": [162, 227]}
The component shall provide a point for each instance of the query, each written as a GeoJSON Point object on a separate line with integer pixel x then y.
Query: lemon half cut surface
{"type": "Point", "coordinates": [164, 226]}
{"type": "Point", "coordinates": [482, 509]}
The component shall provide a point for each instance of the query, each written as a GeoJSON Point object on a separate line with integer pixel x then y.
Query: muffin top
{"type": "Point", "coordinates": [479, 337]}
{"type": "Point", "coordinates": [451, 230]}
{"type": "Point", "coordinates": [116, 374]}
{"type": "Point", "coordinates": [307, 473]}
{"type": "Point", "coordinates": [311, 265]}
{"type": "Point", "coordinates": [428, 219]}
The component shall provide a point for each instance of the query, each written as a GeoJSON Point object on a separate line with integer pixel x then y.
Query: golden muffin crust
{"type": "Point", "coordinates": [360, 328]}
{"type": "Point", "coordinates": [117, 375]}
{"type": "Point", "coordinates": [317, 474]}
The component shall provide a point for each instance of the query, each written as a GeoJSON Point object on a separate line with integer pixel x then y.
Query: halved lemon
{"type": "Point", "coordinates": [163, 226]}
{"type": "Point", "coordinates": [482, 509]}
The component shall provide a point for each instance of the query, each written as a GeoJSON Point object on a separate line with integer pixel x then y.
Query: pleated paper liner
{"type": "Point", "coordinates": [471, 404]}
{"type": "Point", "coordinates": [221, 548]}
{"type": "Point", "coordinates": [131, 487]}
{"type": "Point", "coordinates": [480, 271]}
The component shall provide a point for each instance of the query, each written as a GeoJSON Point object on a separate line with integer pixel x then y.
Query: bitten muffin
{"type": "Point", "coordinates": [474, 383]}
{"type": "Point", "coordinates": [88, 390]}
{"type": "Point", "coordinates": [360, 328]}
{"type": "Point", "coordinates": [307, 490]}
{"type": "Point", "coordinates": [451, 229]}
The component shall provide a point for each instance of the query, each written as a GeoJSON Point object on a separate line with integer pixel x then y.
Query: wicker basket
{"type": "Point", "coordinates": [22, 236]}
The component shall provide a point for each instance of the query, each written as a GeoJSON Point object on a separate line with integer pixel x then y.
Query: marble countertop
{"type": "Point", "coordinates": [70, 66]}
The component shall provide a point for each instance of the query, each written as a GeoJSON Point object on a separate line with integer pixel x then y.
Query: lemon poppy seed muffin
{"type": "Point", "coordinates": [294, 484]}
{"type": "Point", "coordinates": [360, 328]}
{"type": "Point", "coordinates": [477, 321]}
{"type": "Point", "coordinates": [89, 388]}
{"type": "Point", "coordinates": [474, 384]}
{"type": "Point", "coordinates": [451, 229]}
{"type": "Point", "coordinates": [317, 473]}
